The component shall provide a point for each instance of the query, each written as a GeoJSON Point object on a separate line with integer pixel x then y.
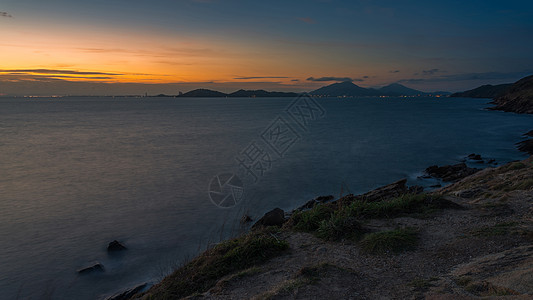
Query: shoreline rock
{"type": "Point", "coordinates": [115, 246]}
{"type": "Point", "coordinates": [96, 267]}
{"type": "Point", "coordinates": [451, 173]}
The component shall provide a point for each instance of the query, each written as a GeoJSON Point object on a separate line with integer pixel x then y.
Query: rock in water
{"type": "Point", "coordinates": [275, 217]}
{"type": "Point", "coordinates": [474, 156]}
{"type": "Point", "coordinates": [97, 267]}
{"type": "Point", "coordinates": [246, 219]}
{"type": "Point", "coordinates": [115, 246]}
{"type": "Point", "coordinates": [451, 172]}
{"type": "Point", "coordinates": [128, 293]}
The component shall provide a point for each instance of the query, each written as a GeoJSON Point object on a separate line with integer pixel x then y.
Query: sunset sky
{"type": "Point", "coordinates": [165, 46]}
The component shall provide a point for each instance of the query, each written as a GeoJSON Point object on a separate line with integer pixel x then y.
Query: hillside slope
{"type": "Point", "coordinates": [518, 99]}
{"type": "Point", "coordinates": [469, 240]}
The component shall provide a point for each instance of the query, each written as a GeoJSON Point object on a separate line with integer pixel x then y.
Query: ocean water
{"type": "Point", "coordinates": [78, 173]}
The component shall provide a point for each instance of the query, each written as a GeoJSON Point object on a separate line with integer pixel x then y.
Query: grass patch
{"type": "Point", "coordinates": [407, 204]}
{"type": "Point", "coordinates": [420, 284]}
{"type": "Point", "coordinates": [463, 280]}
{"type": "Point", "coordinates": [487, 289]}
{"type": "Point", "coordinates": [312, 273]}
{"type": "Point", "coordinates": [516, 166]}
{"type": "Point", "coordinates": [341, 224]}
{"type": "Point", "coordinates": [344, 222]}
{"type": "Point", "coordinates": [310, 220]}
{"type": "Point", "coordinates": [524, 184]}
{"type": "Point", "coordinates": [225, 258]}
{"type": "Point", "coordinates": [248, 272]}
{"type": "Point", "coordinates": [496, 230]}
{"type": "Point", "coordinates": [394, 241]}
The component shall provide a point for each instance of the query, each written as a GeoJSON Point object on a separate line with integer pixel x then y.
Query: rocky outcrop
{"type": "Point", "coordinates": [275, 217]}
{"type": "Point", "coordinates": [115, 246]}
{"type": "Point", "coordinates": [392, 190]}
{"type": "Point", "coordinates": [318, 200]}
{"type": "Point", "coordinates": [96, 267]}
{"type": "Point", "coordinates": [518, 99]}
{"type": "Point", "coordinates": [451, 172]}
{"type": "Point", "coordinates": [127, 294]}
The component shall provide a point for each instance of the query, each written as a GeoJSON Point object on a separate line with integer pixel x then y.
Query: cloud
{"type": "Point", "coordinates": [52, 71]}
{"type": "Point", "coordinates": [260, 77]}
{"type": "Point", "coordinates": [334, 79]}
{"type": "Point", "coordinates": [394, 71]}
{"type": "Point", "coordinates": [307, 20]}
{"type": "Point", "coordinates": [53, 75]}
{"type": "Point", "coordinates": [5, 14]}
{"type": "Point", "coordinates": [431, 72]}
{"type": "Point", "coordinates": [471, 76]}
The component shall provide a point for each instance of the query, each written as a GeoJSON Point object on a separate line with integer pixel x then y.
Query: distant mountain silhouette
{"type": "Point", "coordinates": [349, 89]}
{"type": "Point", "coordinates": [484, 91]}
{"type": "Point", "coordinates": [339, 89]}
{"type": "Point", "coordinates": [203, 93]}
{"type": "Point", "coordinates": [396, 89]}
{"type": "Point", "coordinates": [260, 93]}
{"type": "Point", "coordinates": [518, 98]}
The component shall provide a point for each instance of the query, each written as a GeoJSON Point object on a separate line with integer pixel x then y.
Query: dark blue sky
{"type": "Point", "coordinates": [447, 45]}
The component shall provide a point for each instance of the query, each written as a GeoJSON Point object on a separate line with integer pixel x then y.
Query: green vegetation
{"type": "Point", "coordinates": [487, 289]}
{"type": "Point", "coordinates": [229, 256]}
{"type": "Point", "coordinates": [463, 280]}
{"type": "Point", "coordinates": [395, 241]}
{"type": "Point", "coordinates": [344, 222]}
{"type": "Point", "coordinates": [407, 204]}
{"type": "Point", "coordinates": [524, 184]}
{"type": "Point", "coordinates": [341, 224]}
{"type": "Point", "coordinates": [496, 230]}
{"type": "Point", "coordinates": [420, 284]}
{"type": "Point", "coordinates": [310, 220]}
{"type": "Point", "coordinates": [312, 273]}
{"type": "Point", "coordinates": [516, 166]}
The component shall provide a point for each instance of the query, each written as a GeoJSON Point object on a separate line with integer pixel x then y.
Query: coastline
{"type": "Point", "coordinates": [464, 240]}
{"type": "Point", "coordinates": [479, 216]}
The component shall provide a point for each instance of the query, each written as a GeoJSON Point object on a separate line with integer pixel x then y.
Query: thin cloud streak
{"type": "Point", "coordinates": [469, 76]}
{"type": "Point", "coordinates": [331, 78]}
{"type": "Point", "coordinates": [5, 14]}
{"type": "Point", "coordinates": [261, 77]}
{"type": "Point", "coordinates": [52, 71]}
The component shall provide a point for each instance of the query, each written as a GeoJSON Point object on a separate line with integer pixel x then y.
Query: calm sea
{"type": "Point", "coordinates": [78, 173]}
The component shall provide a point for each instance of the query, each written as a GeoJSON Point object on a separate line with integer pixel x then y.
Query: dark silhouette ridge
{"type": "Point", "coordinates": [518, 98]}
{"type": "Point", "coordinates": [484, 91]}
{"type": "Point", "coordinates": [349, 89]}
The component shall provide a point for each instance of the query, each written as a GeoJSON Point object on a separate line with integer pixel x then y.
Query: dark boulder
{"type": "Point", "coordinates": [275, 217]}
{"type": "Point", "coordinates": [474, 156]}
{"type": "Point", "coordinates": [526, 146]}
{"type": "Point", "coordinates": [323, 199]}
{"type": "Point", "coordinates": [392, 190]}
{"type": "Point", "coordinates": [415, 189]}
{"type": "Point", "coordinates": [115, 246]}
{"type": "Point", "coordinates": [127, 294]}
{"type": "Point", "coordinates": [96, 267]}
{"type": "Point", "coordinates": [246, 219]}
{"type": "Point", "coordinates": [451, 172]}
{"type": "Point", "coordinates": [311, 203]}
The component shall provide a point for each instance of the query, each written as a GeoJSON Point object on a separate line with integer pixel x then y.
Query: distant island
{"type": "Point", "coordinates": [339, 89]}
{"type": "Point", "coordinates": [349, 89]}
